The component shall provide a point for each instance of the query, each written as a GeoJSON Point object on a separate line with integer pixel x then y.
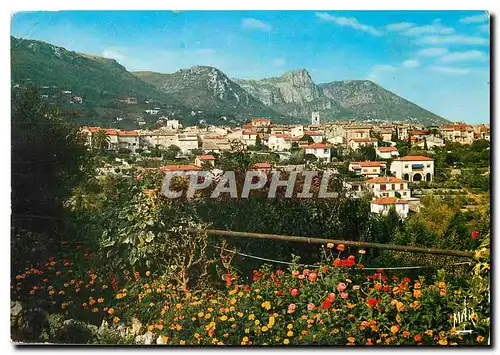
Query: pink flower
{"type": "Point", "coordinates": [139, 178]}
{"type": "Point", "coordinates": [341, 286]}
{"type": "Point", "coordinates": [311, 306]}
{"type": "Point", "coordinates": [306, 272]}
{"type": "Point", "coordinates": [294, 292]}
{"type": "Point", "coordinates": [355, 287]}
{"type": "Point", "coordinates": [344, 295]}
{"type": "Point", "coordinates": [301, 276]}
{"type": "Point", "coordinates": [312, 276]}
{"type": "Point", "coordinates": [291, 308]}
{"type": "Point", "coordinates": [332, 297]}
{"type": "Point", "coordinates": [295, 273]}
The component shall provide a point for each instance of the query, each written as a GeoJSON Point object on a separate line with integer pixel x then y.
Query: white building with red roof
{"type": "Point", "coordinates": [384, 204]}
{"type": "Point", "coordinates": [370, 169]}
{"type": "Point", "coordinates": [279, 142]}
{"type": "Point", "coordinates": [459, 132]}
{"type": "Point", "coordinates": [205, 158]}
{"type": "Point", "coordinates": [387, 152]}
{"type": "Point", "coordinates": [356, 143]}
{"type": "Point", "coordinates": [389, 186]}
{"type": "Point", "coordinates": [319, 150]}
{"type": "Point", "coordinates": [413, 168]}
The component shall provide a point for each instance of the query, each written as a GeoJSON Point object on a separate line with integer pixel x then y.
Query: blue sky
{"type": "Point", "coordinates": [437, 59]}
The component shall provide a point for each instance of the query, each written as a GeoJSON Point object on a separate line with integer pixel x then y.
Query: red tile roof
{"type": "Point", "coordinates": [282, 135]}
{"type": "Point", "coordinates": [385, 180]}
{"type": "Point", "coordinates": [415, 158]}
{"type": "Point", "coordinates": [179, 168]}
{"type": "Point", "coordinates": [387, 149]}
{"type": "Point", "coordinates": [312, 133]}
{"type": "Point", "coordinates": [111, 132]}
{"type": "Point", "coordinates": [362, 140]}
{"type": "Point", "coordinates": [206, 157]}
{"type": "Point", "coordinates": [262, 165]}
{"type": "Point", "coordinates": [388, 201]}
{"type": "Point", "coordinates": [128, 133]}
{"type": "Point", "coordinates": [369, 163]}
{"type": "Point", "coordinates": [317, 146]}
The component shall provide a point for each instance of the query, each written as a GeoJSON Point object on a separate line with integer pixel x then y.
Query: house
{"type": "Point", "coordinates": [249, 137]}
{"type": "Point", "coordinates": [152, 111]}
{"type": "Point", "coordinates": [413, 168]}
{"type": "Point", "coordinates": [113, 138]}
{"type": "Point", "coordinates": [202, 159]}
{"type": "Point", "coordinates": [279, 142]}
{"type": "Point", "coordinates": [384, 204]}
{"type": "Point", "coordinates": [319, 150]}
{"type": "Point", "coordinates": [78, 99]}
{"type": "Point", "coordinates": [187, 143]}
{"type": "Point", "coordinates": [368, 168]}
{"type": "Point", "coordinates": [128, 140]}
{"type": "Point", "coordinates": [131, 100]}
{"type": "Point", "coordinates": [297, 131]}
{"type": "Point", "coordinates": [459, 132]}
{"type": "Point", "coordinates": [262, 167]}
{"type": "Point", "coordinates": [356, 143]}
{"type": "Point", "coordinates": [173, 125]}
{"type": "Point", "coordinates": [260, 123]}
{"type": "Point", "coordinates": [432, 141]}
{"type": "Point", "coordinates": [316, 136]}
{"type": "Point", "coordinates": [387, 152]}
{"type": "Point", "coordinates": [356, 132]}
{"type": "Point", "coordinates": [389, 186]}
{"type": "Point", "coordinates": [181, 168]}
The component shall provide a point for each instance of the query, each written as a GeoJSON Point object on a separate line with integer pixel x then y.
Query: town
{"type": "Point", "coordinates": [381, 170]}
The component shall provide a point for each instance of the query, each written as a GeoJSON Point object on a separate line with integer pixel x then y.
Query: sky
{"type": "Point", "coordinates": [439, 60]}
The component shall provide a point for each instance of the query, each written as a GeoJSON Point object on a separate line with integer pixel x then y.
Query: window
{"type": "Point", "coordinates": [406, 166]}
{"type": "Point", "coordinates": [428, 165]}
{"type": "Point", "coordinates": [374, 170]}
{"type": "Point", "coordinates": [325, 151]}
{"type": "Point", "coordinates": [401, 186]}
{"type": "Point", "coordinates": [365, 170]}
{"type": "Point", "coordinates": [404, 193]}
{"type": "Point", "coordinates": [393, 187]}
{"type": "Point", "coordinates": [383, 187]}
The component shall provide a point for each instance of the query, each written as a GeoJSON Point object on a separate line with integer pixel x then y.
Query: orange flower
{"type": "Point", "coordinates": [94, 310]}
{"type": "Point", "coordinates": [91, 302]}
{"type": "Point", "coordinates": [84, 304]}
{"type": "Point", "coordinates": [418, 337]}
{"type": "Point", "coordinates": [394, 329]}
{"type": "Point", "coordinates": [100, 300]}
{"type": "Point", "coordinates": [111, 311]}
{"type": "Point", "coordinates": [406, 334]}
{"type": "Point", "coordinates": [116, 320]}
{"type": "Point", "coordinates": [340, 247]}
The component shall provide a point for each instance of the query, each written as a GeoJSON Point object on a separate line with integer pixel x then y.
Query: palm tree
{"type": "Point", "coordinates": [100, 141]}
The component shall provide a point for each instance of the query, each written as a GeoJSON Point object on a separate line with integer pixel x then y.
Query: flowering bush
{"type": "Point", "coordinates": [336, 304]}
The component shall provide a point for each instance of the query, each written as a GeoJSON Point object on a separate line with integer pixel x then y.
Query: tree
{"type": "Point", "coordinates": [295, 147]}
{"type": "Point", "coordinates": [171, 152]}
{"type": "Point", "coordinates": [425, 144]}
{"type": "Point", "coordinates": [49, 158]}
{"type": "Point", "coordinates": [308, 139]}
{"type": "Point", "coordinates": [258, 143]}
{"type": "Point", "coordinates": [368, 152]}
{"type": "Point", "coordinates": [100, 141]}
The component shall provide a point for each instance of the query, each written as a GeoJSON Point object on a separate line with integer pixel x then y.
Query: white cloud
{"type": "Point", "coordinates": [377, 70]}
{"type": "Point", "coordinates": [435, 29]}
{"type": "Point", "coordinates": [278, 62]}
{"type": "Point", "coordinates": [449, 70]}
{"type": "Point", "coordinates": [432, 52]}
{"type": "Point", "coordinates": [254, 24]}
{"type": "Point", "coordinates": [475, 19]}
{"type": "Point", "coordinates": [459, 39]}
{"type": "Point", "coordinates": [401, 26]}
{"type": "Point", "coordinates": [464, 56]}
{"type": "Point", "coordinates": [411, 63]}
{"type": "Point", "coordinates": [349, 22]}
{"type": "Point", "coordinates": [113, 53]}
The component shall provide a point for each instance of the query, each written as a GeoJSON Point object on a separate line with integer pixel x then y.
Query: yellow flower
{"type": "Point", "coordinates": [247, 330]}
{"type": "Point", "coordinates": [350, 305]}
{"type": "Point", "coordinates": [289, 333]}
{"type": "Point", "coordinates": [271, 322]}
{"type": "Point", "coordinates": [232, 301]}
{"type": "Point", "coordinates": [148, 273]}
{"type": "Point", "coordinates": [231, 319]}
{"type": "Point", "coordinates": [286, 341]}
{"type": "Point", "coordinates": [223, 318]}
{"type": "Point", "coordinates": [182, 342]}
{"type": "Point", "coordinates": [480, 339]}
{"type": "Point", "coordinates": [259, 297]}
{"type": "Point", "coordinates": [251, 316]}
{"type": "Point", "coordinates": [240, 314]}
{"type": "Point", "coordinates": [266, 305]}
{"type": "Point", "coordinates": [197, 336]}
{"type": "Point", "coordinates": [289, 326]}
{"type": "Point", "coordinates": [394, 329]}
{"type": "Point", "coordinates": [201, 314]}
{"type": "Point", "coordinates": [231, 309]}
{"type": "Point", "coordinates": [257, 322]}
{"type": "Point", "coordinates": [265, 328]}
{"type": "Point", "coordinates": [213, 301]}
{"type": "Point", "coordinates": [400, 306]}
{"type": "Point", "coordinates": [443, 342]}
{"type": "Point", "coordinates": [245, 339]}
{"type": "Point", "coordinates": [428, 332]}
{"type": "Point", "coordinates": [351, 339]}
{"type": "Point", "coordinates": [240, 294]}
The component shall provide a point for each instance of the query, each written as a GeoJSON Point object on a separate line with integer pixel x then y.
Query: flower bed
{"type": "Point", "coordinates": [336, 304]}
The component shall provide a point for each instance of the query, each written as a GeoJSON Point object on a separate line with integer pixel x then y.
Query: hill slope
{"type": "Point", "coordinates": [370, 101]}
{"type": "Point", "coordinates": [208, 89]}
{"type": "Point", "coordinates": [295, 94]}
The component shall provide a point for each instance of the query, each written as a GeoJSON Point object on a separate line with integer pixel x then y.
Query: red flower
{"type": "Point", "coordinates": [337, 262]}
{"type": "Point", "coordinates": [228, 280]}
{"type": "Point", "coordinates": [406, 279]}
{"type": "Point", "coordinates": [340, 247]}
{"type": "Point", "coordinates": [326, 304]}
{"type": "Point", "coordinates": [348, 262]}
{"type": "Point", "coordinates": [475, 234]}
{"type": "Point", "coordinates": [386, 288]}
{"type": "Point", "coordinates": [351, 257]}
{"type": "Point", "coordinates": [294, 292]}
{"type": "Point", "coordinates": [372, 302]}
{"type": "Point", "coordinates": [115, 196]}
